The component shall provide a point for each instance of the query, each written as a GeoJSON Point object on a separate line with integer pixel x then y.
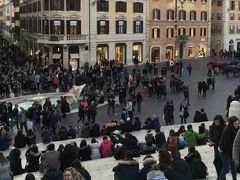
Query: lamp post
{"type": "Point", "coordinates": [176, 25]}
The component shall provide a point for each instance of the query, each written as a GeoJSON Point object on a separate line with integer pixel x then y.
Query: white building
{"type": "Point", "coordinates": [78, 31]}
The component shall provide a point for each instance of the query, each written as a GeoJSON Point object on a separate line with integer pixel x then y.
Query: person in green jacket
{"type": "Point", "coordinates": [191, 137]}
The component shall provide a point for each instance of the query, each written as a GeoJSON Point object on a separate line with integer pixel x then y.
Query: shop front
{"type": "Point", "coordinates": [202, 50]}
{"type": "Point", "coordinates": [191, 51]}
{"type": "Point", "coordinates": [137, 51]}
{"type": "Point", "coordinates": [57, 55]}
{"type": "Point", "coordinates": [102, 53]}
{"type": "Point", "coordinates": [169, 53]}
{"type": "Point", "coordinates": [74, 57]}
{"type": "Point", "coordinates": [155, 54]}
{"type": "Point", "coordinates": [120, 53]}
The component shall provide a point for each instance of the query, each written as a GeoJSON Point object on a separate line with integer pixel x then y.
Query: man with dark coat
{"type": "Point", "coordinates": [127, 169]}
{"type": "Point", "coordinates": [179, 169]}
{"type": "Point", "coordinates": [20, 140]}
{"type": "Point", "coordinates": [95, 130]}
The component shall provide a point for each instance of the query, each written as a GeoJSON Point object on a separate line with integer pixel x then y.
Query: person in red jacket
{"type": "Point", "coordinates": [106, 147]}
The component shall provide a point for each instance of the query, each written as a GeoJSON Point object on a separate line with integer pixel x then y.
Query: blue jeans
{"type": "Point", "coordinates": [227, 162]}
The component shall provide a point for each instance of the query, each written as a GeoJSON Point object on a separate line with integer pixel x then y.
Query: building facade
{"type": "Point", "coordinates": [182, 35]}
{"type": "Point", "coordinates": [72, 32]}
{"type": "Point", "coordinates": [226, 25]}
{"type": "Point", "coordinates": [7, 20]}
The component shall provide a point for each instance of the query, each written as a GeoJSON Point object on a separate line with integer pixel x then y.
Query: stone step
{"type": "Point", "coordinates": [101, 169]}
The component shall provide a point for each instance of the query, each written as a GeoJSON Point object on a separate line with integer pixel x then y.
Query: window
{"type": "Point", "coordinates": [102, 6]}
{"type": "Point", "coordinates": [203, 1]}
{"type": "Point", "coordinates": [203, 31]}
{"type": "Point", "coordinates": [121, 6]}
{"type": "Point", "coordinates": [137, 7]}
{"type": "Point", "coordinates": [238, 16]}
{"type": "Point", "coordinates": [218, 29]}
{"type": "Point", "coordinates": [170, 32]}
{"type": "Point", "coordinates": [57, 26]}
{"type": "Point", "coordinates": [155, 33]}
{"type": "Point", "coordinates": [212, 16]}
{"type": "Point", "coordinates": [138, 27]}
{"type": "Point", "coordinates": [34, 6]}
{"type": "Point", "coordinates": [192, 32]}
{"type": "Point", "coordinates": [121, 27]}
{"type": "Point", "coordinates": [73, 5]}
{"type": "Point", "coordinates": [193, 15]}
{"type": "Point", "coordinates": [231, 29]}
{"type": "Point", "coordinates": [170, 14]}
{"type": "Point", "coordinates": [156, 14]}
{"type": "Point", "coordinates": [231, 16]}
{"type": "Point", "coordinates": [103, 27]}
{"type": "Point", "coordinates": [238, 29]}
{"type": "Point", "coordinates": [203, 16]}
{"type": "Point", "coordinates": [219, 16]}
{"type": "Point", "coordinates": [46, 5]}
{"type": "Point", "coordinates": [39, 6]}
{"type": "Point", "coordinates": [39, 26]}
{"type": "Point", "coordinates": [56, 5]}
{"type": "Point", "coordinates": [232, 5]}
{"type": "Point", "coordinates": [181, 31]}
{"type": "Point", "coordinates": [182, 15]}
{"type": "Point", "coordinates": [45, 26]}
{"type": "Point", "coordinates": [73, 27]}
{"type": "Point", "coordinates": [219, 3]}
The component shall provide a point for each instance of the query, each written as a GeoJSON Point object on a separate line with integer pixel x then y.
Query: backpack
{"type": "Point", "coordinates": [172, 143]}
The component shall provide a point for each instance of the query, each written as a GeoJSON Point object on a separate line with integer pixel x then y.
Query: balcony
{"type": "Point", "coordinates": [61, 39]}
{"type": "Point", "coordinates": [182, 38]}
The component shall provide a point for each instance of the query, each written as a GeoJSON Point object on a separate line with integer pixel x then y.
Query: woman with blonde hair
{"type": "Point", "coordinates": [71, 173]}
{"type": "Point", "coordinates": [5, 173]}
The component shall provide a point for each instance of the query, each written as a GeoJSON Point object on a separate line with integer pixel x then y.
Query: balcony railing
{"type": "Point", "coordinates": [61, 37]}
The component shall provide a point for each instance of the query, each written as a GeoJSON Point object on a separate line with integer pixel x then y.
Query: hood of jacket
{"type": "Point", "coordinates": [149, 161]}
{"type": "Point", "coordinates": [94, 146]}
{"type": "Point", "coordinates": [128, 162]}
{"type": "Point", "coordinates": [106, 141]}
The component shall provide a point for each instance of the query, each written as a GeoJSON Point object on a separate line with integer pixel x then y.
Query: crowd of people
{"type": "Point", "coordinates": [56, 163]}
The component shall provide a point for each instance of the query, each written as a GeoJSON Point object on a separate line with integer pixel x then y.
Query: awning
{"type": "Point", "coordinates": [56, 56]}
{"type": "Point", "coordinates": [74, 56]}
{"type": "Point", "coordinates": [37, 52]}
{"type": "Point", "coordinates": [43, 55]}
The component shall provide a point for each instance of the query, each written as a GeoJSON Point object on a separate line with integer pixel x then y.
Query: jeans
{"type": "Point", "coordinates": [227, 162]}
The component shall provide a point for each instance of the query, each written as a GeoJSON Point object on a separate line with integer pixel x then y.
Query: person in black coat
{"type": "Point", "coordinates": [137, 124]}
{"type": "Point", "coordinates": [32, 157]}
{"type": "Point", "coordinates": [160, 139]}
{"type": "Point", "coordinates": [20, 140]}
{"type": "Point", "coordinates": [67, 156]}
{"type": "Point", "coordinates": [84, 151]}
{"type": "Point", "coordinates": [197, 167]}
{"type": "Point", "coordinates": [95, 130]}
{"type": "Point", "coordinates": [15, 162]}
{"type": "Point", "coordinates": [148, 161]}
{"type": "Point", "coordinates": [127, 169]}
{"type": "Point", "coordinates": [215, 133]}
{"type": "Point", "coordinates": [178, 169]}
{"type": "Point", "coordinates": [226, 147]}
